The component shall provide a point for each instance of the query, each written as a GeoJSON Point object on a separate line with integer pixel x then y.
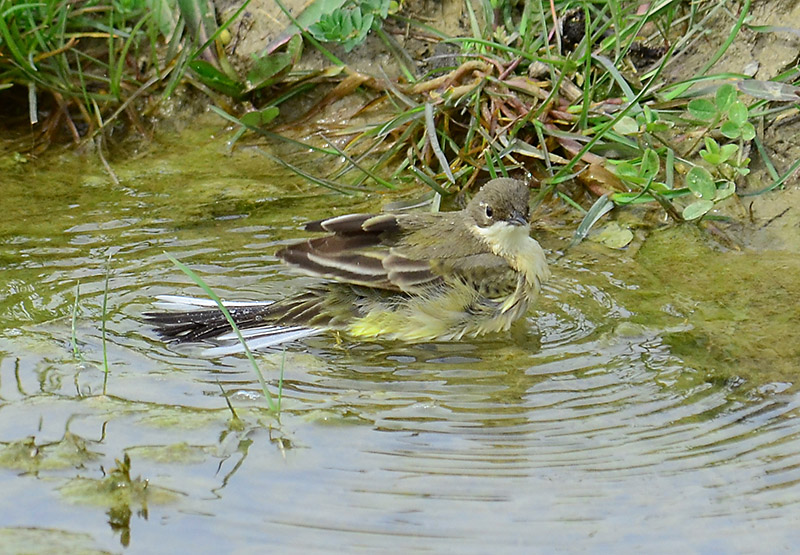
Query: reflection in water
{"type": "Point", "coordinates": [600, 422]}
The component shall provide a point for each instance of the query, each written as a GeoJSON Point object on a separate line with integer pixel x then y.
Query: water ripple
{"type": "Point", "coordinates": [583, 423]}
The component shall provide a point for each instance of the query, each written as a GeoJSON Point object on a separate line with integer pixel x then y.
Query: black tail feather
{"type": "Point", "coordinates": [198, 325]}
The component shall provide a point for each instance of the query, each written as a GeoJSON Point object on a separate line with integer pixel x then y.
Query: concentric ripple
{"type": "Point", "coordinates": [597, 424]}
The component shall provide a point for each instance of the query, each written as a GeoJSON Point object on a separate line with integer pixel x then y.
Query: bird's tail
{"type": "Point", "coordinates": [189, 319]}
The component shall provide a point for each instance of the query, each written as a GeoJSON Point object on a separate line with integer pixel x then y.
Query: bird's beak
{"type": "Point", "coordinates": [517, 219]}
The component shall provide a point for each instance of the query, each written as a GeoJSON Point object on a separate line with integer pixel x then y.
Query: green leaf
{"type": "Point", "coordinates": [700, 182]}
{"type": "Point", "coordinates": [614, 236]}
{"type": "Point", "coordinates": [727, 152]}
{"type": "Point", "coordinates": [659, 126]}
{"type": "Point", "coordinates": [712, 158]}
{"type": "Point", "coordinates": [748, 131]}
{"type": "Point", "coordinates": [727, 189]}
{"type": "Point", "coordinates": [726, 95]}
{"type": "Point", "coordinates": [631, 198]}
{"type": "Point", "coordinates": [347, 26]}
{"type": "Point", "coordinates": [268, 70]}
{"type": "Point", "coordinates": [377, 7]}
{"type": "Point", "coordinates": [627, 170]}
{"type": "Point", "coordinates": [737, 113]}
{"type": "Point", "coordinates": [659, 187]}
{"type": "Point", "coordinates": [272, 68]}
{"type": "Point", "coordinates": [712, 152]}
{"type": "Point", "coordinates": [650, 164]}
{"type": "Point", "coordinates": [730, 130]}
{"type": "Point", "coordinates": [214, 78]}
{"type": "Point", "coordinates": [626, 126]}
{"type": "Point", "coordinates": [365, 24]}
{"type": "Point", "coordinates": [711, 145]}
{"type": "Point", "coordinates": [295, 48]}
{"type": "Point", "coordinates": [702, 109]}
{"type": "Point", "coordinates": [697, 209]}
{"type": "Point", "coordinates": [259, 118]}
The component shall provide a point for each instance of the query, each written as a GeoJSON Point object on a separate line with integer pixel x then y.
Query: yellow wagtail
{"type": "Point", "coordinates": [411, 277]}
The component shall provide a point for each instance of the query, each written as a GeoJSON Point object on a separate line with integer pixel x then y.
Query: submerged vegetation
{"type": "Point", "coordinates": [560, 91]}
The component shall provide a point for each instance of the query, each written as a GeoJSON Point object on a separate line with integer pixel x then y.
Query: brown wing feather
{"type": "Point", "coordinates": [355, 224]}
{"type": "Point", "coordinates": [488, 273]}
{"type": "Point", "coordinates": [341, 258]}
{"type": "Point", "coordinates": [396, 252]}
{"type": "Point", "coordinates": [408, 273]}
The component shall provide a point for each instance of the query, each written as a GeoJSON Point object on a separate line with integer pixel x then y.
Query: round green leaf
{"type": "Point", "coordinates": [702, 109]}
{"type": "Point", "coordinates": [730, 130]}
{"type": "Point", "coordinates": [725, 97]}
{"type": "Point", "coordinates": [697, 209]}
{"type": "Point", "coordinates": [712, 158]}
{"type": "Point", "coordinates": [748, 131]}
{"type": "Point", "coordinates": [728, 151]}
{"type": "Point", "coordinates": [626, 126]}
{"type": "Point", "coordinates": [700, 182]}
{"type": "Point", "coordinates": [738, 113]}
{"type": "Point", "coordinates": [627, 170]}
{"type": "Point", "coordinates": [726, 190]}
{"type": "Point", "coordinates": [614, 236]}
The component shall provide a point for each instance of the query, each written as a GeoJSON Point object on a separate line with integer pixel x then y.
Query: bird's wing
{"type": "Point", "coordinates": [487, 273]}
{"type": "Point", "coordinates": [392, 252]}
{"type": "Point", "coordinates": [352, 258]}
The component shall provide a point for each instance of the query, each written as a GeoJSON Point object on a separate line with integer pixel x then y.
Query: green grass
{"type": "Point", "coordinates": [106, 367]}
{"type": "Point", "coordinates": [274, 406]}
{"type": "Point", "coordinates": [76, 351]}
{"type": "Point", "coordinates": [83, 64]}
{"type": "Point", "coordinates": [536, 89]}
{"type": "Point", "coordinates": [521, 99]}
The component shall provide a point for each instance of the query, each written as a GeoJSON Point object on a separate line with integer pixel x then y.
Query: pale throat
{"type": "Point", "coordinates": [514, 244]}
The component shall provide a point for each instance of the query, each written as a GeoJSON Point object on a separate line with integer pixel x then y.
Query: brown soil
{"type": "Point", "coordinates": [763, 55]}
{"type": "Point", "coordinates": [775, 217]}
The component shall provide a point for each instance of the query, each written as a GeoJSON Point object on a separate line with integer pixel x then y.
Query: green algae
{"type": "Point", "coordinates": [120, 494]}
{"type": "Point", "coordinates": [117, 488]}
{"type": "Point", "coordinates": [44, 540]}
{"type": "Point", "coordinates": [29, 456]}
{"type": "Point", "coordinates": [741, 307]}
{"type": "Point", "coordinates": [175, 453]}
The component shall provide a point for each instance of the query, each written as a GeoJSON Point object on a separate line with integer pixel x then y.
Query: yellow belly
{"type": "Point", "coordinates": [457, 312]}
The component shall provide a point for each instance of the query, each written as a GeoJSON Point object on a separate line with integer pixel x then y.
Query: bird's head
{"type": "Point", "coordinates": [501, 202]}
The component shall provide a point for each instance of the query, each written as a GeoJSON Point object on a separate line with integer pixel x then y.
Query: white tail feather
{"type": "Point", "coordinates": [179, 302]}
{"type": "Point", "coordinates": [259, 338]}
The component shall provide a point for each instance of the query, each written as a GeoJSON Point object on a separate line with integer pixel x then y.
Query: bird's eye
{"type": "Point", "coordinates": [489, 212]}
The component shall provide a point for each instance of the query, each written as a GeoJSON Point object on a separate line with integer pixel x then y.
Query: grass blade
{"type": "Point", "coordinates": [204, 286]}
{"type": "Point", "coordinates": [433, 140]}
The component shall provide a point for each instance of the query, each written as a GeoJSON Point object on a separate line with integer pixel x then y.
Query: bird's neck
{"type": "Point", "coordinates": [514, 244]}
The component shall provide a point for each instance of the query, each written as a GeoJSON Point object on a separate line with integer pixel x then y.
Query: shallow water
{"type": "Point", "coordinates": [648, 402]}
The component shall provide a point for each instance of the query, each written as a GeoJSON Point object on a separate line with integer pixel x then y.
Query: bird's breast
{"type": "Point", "coordinates": [523, 253]}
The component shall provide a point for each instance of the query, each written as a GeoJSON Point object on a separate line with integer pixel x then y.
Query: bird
{"type": "Point", "coordinates": [412, 277]}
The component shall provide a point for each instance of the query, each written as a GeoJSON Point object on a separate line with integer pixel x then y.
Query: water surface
{"type": "Point", "coordinates": [648, 402]}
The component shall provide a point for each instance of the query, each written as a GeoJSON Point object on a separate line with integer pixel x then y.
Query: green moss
{"type": "Point", "coordinates": [44, 540]}
{"type": "Point", "coordinates": [177, 453]}
{"type": "Point", "coordinates": [740, 306]}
